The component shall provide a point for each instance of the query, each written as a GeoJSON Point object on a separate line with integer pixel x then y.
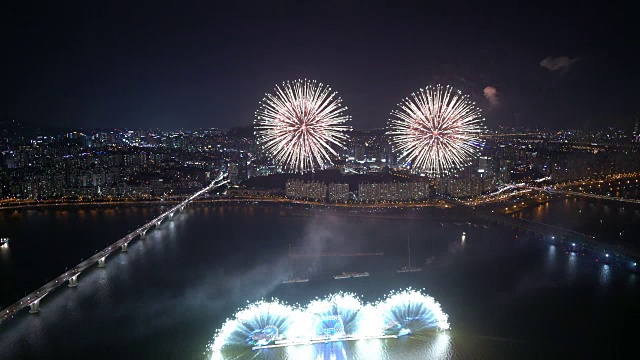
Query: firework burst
{"type": "Point", "coordinates": [436, 129]}
{"type": "Point", "coordinates": [300, 125]}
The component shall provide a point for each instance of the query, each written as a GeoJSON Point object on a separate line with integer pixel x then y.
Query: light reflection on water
{"type": "Point", "coordinates": [5, 254]}
{"type": "Point", "coordinates": [438, 347]}
{"type": "Point", "coordinates": [604, 275]}
{"type": "Point", "coordinates": [435, 346]}
{"type": "Point", "coordinates": [369, 349]}
{"type": "Point", "coordinates": [572, 261]}
{"type": "Point", "coordinates": [550, 259]}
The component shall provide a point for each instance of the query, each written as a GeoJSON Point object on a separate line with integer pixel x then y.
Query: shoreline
{"type": "Point", "coordinates": [436, 204]}
{"type": "Point", "coordinates": [14, 205]}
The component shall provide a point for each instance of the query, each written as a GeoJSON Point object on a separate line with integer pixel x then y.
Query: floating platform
{"type": "Point", "coordinates": [285, 343]}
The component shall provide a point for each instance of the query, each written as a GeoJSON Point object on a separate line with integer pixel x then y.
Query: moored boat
{"type": "Point", "coordinates": [408, 268]}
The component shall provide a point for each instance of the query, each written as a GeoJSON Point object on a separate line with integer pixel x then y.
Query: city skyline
{"type": "Point", "coordinates": [209, 66]}
{"type": "Point", "coordinates": [319, 179]}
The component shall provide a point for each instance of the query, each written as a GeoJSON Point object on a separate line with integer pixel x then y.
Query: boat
{"type": "Point", "coordinates": [295, 280]}
{"type": "Point", "coordinates": [408, 268]}
{"type": "Point", "coordinates": [359, 274]}
{"type": "Point", "coordinates": [354, 274]}
{"type": "Point", "coordinates": [343, 275]}
{"type": "Point", "coordinates": [4, 241]}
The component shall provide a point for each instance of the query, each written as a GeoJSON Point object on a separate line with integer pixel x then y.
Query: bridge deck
{"type": "Point", "coordinates": [38, 294]}
{"type": "Point", "coordinates": [604, 245]}
{"type": "Point", "coordinates": [596, 196]}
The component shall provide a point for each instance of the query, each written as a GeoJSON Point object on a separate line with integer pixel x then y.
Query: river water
{"type": "Point", "coordinates": [507, 295]}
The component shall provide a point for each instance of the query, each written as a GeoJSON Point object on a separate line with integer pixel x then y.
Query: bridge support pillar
{"type": "Point", "coordinates": [158, 223]}
{"type": "Point", "coordinates": [143, 234]}
{"type": "Point", "coordinates": [34, 307]}
{"type": "Point", "coordinates": [125, 247]}
{"type": "Point", "coordinates": [73, 281]}
{"type": "Point", "coordinates": [170, 216]}
{"type": "Point", "coordinates": [101, 263]}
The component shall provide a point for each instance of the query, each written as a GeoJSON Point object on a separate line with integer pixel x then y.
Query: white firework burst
{"type": "Point", "coordinates": [300, 125]}
{"type": "Point", "coordinates": [437, 129]}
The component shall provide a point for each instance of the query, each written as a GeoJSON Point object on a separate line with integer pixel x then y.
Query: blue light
{"type": "Point", "coordinates": [331, 326]}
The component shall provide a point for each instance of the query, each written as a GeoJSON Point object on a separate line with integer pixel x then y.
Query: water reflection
{"type": "Point", "coordinates": [5, 254]}
{"type": "Point", "coordinates": [431, 346]}
{"type": "Point", "coordinates": [550, 259]}
{"type": "Point", "coordinates": [572, 262]}
{"type": "Point", "coordinates": [332, 351]}
{"type": "Point", "coordinates": [604, 275]}
{"type": "Point", "coordinates": [103, 288]}
{"type": "Point", "coordinates": [369, 349]}
{"type": "Point", "coordinates": [439, 347]}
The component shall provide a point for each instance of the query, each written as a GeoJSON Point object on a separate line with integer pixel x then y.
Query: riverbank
{"type": "Point", "coordinates": [431, 203]}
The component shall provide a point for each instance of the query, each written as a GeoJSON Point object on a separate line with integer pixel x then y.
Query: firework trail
{"type": "Point", "coordinates": [300, 125]}
{"type": "Point", "coordinates": [437, 130]}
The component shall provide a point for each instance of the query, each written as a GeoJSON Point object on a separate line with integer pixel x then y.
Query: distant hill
{"type": "Point", "coordinates": [16, 129]}
{"type": "Point", "coordinates": [18, 132]}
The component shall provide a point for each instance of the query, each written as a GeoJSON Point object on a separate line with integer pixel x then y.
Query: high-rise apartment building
{"type": "Point", "coordinates": [338, 192]}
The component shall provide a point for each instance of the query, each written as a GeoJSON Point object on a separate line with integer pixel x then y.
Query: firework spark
{"type": "Point", "coordinates": [437, 129]}
{"type": "Point", "coordinates": [300, 124]}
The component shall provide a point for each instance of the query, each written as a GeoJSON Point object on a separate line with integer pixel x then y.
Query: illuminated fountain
{"type": "Point", "coordinates": [322, 326]}
{"type": "Point", "coordinates": [410, 311]}
{"type": "Point", "coordinates": [259, 324]}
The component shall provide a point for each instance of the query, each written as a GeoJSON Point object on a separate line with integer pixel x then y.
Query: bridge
{"type": "Point", "coordinates": [614, 247]}
{"type": "Point", "coordinates": [33, 299]}
{"type": "Point", "coordinates": [595, 196]}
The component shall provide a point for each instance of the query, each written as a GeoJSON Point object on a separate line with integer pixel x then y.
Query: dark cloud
{"type": "Point", "coordinates": [560, 63]}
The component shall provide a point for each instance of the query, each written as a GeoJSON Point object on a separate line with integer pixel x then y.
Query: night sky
{"type": "Point", "coordinates": [208, 63]}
